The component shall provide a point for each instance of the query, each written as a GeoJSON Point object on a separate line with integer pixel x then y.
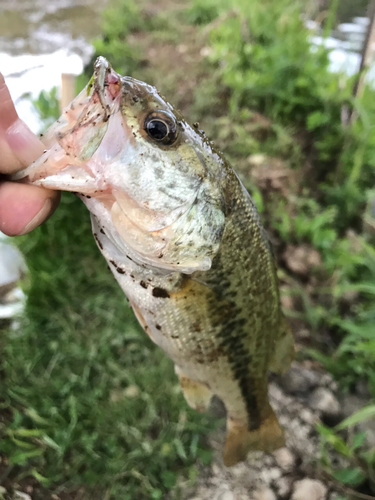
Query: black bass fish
{"type": "Point", "coordinates": [185, 242]}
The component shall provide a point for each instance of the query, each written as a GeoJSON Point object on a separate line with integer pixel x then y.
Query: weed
{"type": "Point", "coordinates": [360, 462]}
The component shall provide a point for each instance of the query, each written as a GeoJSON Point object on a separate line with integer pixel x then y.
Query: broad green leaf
{"type": "Point", "coordinates": [358, 440]}
{"type": "Point", "coordinates": [334, 440]}
{"type": "Point", "coordinates": [351, 476]}
{"type": "Point", "coordinates": [363, 414]}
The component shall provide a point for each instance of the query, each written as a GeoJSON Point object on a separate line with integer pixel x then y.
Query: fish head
{"type": "Point", "coordinates": [130, 154]}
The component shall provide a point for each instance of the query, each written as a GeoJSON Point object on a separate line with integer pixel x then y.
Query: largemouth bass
{"type": "Point", "coordinates": [183, 239]}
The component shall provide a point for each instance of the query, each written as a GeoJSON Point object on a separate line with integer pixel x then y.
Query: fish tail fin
{"type": "Point", "coordinates": [240, 441]}
{"type": "Point", "coordinates": [284, 351]}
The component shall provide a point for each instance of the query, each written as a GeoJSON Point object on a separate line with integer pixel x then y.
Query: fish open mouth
{"type": "Point", "coordinates": [73, 139]}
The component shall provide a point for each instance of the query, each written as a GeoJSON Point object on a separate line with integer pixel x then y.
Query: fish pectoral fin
{"type": "Point", "coordinates": [196, 394]}
{"type": "Point", "coordinates": [240, 441]}
{"type": "Point", "coordinates": [284, 351]}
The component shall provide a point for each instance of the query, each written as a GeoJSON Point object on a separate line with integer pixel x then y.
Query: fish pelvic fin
{"type": "Point", "coordinates": [284, 351]}
{"type": "Point", "coordinates": [197, 395]}
{"type": "Point", "coordinates": [240, 441]}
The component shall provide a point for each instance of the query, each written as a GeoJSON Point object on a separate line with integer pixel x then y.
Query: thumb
{"type": "Point", "coordinates": [18, 145]}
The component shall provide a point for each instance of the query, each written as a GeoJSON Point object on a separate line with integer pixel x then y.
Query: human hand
{"type": "Point", "coordinates": [22, 207]}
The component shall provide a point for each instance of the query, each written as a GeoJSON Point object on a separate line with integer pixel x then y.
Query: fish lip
{"type": "Point", "coordinates": [101, 69]}
{"type": "Point", "coordinates": [106, 78]}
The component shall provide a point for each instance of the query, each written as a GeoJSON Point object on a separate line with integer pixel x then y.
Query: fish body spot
{"type": "Point", "coordinates": [160, 293]}
{"type": "Point", "coordinates": [98, 241]}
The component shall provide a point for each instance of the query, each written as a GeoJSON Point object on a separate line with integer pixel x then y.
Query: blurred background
{"type": "Point", "coordinates": [89, 407]}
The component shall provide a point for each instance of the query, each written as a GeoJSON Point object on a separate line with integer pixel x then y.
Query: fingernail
{"type": "Point", "coordinates": [8, 112]}
{"type": "Point", "coordinates": [23, 142]}
{"type": "Point", "coordinates": [39, 217]}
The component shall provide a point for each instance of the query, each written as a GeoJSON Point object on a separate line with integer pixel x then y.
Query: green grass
{"type": "Point", "coordinates": [93, 401]}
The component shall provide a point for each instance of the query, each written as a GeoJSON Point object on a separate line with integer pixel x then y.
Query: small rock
{"type": "Point", "coordinates": [308, 417]}
{"type": "Point", "coordinates": [299, 380]}
{"type": "Point", "coordinates": [303, 334]}
{"type": "Point", "coordinates": [264, 493]}
{"type": "Point", "coordinates": [302, 259]}
{"type": "Point", "coordinates": [351, 403]}
{"type": "Point", "coordinates": [224, 495]}
{"type": "Point", "coordinates": [257, 160]}
{"type": "Point", "coordinates": [243, 474]}
{"type": "Point", "coordinates": [206, 51]}
{"type": "Point", "coordinates": [334, 496]}
{"type": "Point", "coordinates": [285, 459]}
{"type": "Point", "coordinates": [362, 389]}
{"type": "Point", "coordinates": [284, 486]}
{"type": "Point", "coordinates": [215, 469]}
{"type": "Point", "coordinates": [22, 495]}
{"type": "Point", "coordinates": [287, 301]}
{"type": "Point", "coordinates": [326, 380]}
{"type": "Point", "coordinates": [309, 489]}
{"type": "Point", "coordinates": [324, 401]}
{"type": "Point", "coordinates": [276, 393]}
{"type": "Point", "coordinates": [270, 475]}
{"type": "Point", "coordinates": [2, 490]}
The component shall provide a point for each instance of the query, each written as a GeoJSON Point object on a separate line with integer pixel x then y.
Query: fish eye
{"type": "Point", "coordinates": [161, 127]}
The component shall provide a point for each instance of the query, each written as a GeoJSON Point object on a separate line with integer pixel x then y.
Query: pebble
{"type": "Point", "coordinates": [327, 381]}
{"type": "Point", "coordinates": [264, 493]}
{"type": "Point", "coordinates": [323, 400]}
{"type": "Point", "coordinates": [310, 489]}
{"type": "Point", "coordinates": [257, 159]}
{"type": "Point", "coordinates": [276, 393]}
{"type": "Point", "coordinates": [334, 496]}
{"type": "Point", "coordinates": [300, 259]}
{"type": "Point", "coordinates": [284, 486]}
{"type": "Point", "coordinates": [215, 469]}
{"type": "Point", "coordinates": [299, 380]}
{"type": "Point", "coordinates": [224, 495]}
{"type": "Point", "coordinates": [22, 495]}
{"type": "Point", "coordinates": [271, 474]}
{"type": "Point", "coordinates": [362, 389]}
{"type": "Point", "coordinates": [308, 416]}
{"type": "Point", "coordinates": [285, 459]}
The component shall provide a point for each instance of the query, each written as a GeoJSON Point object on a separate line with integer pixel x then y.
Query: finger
{"type": "Point", "coordinates": [24, 207]}
{"type": "Point", "coordinates": [18, 145]}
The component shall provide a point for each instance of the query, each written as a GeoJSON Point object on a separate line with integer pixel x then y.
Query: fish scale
{"type": "Point", "coordinates": [184, 240]}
